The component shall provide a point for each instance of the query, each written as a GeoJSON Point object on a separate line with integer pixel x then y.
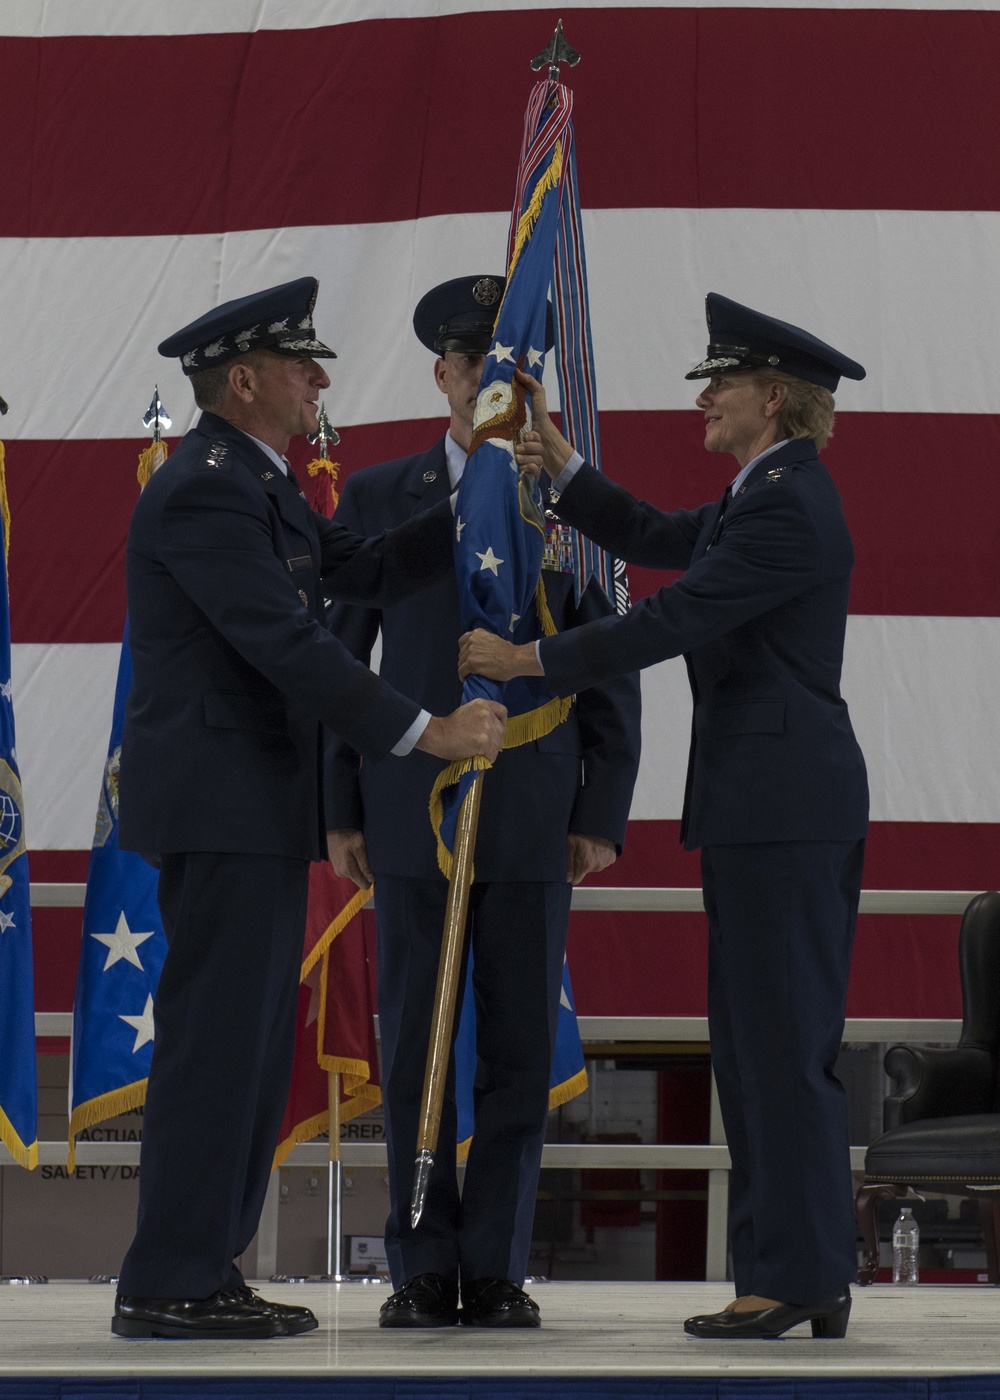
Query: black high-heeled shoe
{"type": "Point", "coordinates": [828, 1320]}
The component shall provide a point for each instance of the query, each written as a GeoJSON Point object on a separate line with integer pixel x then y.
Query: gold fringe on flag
{"type": "Point", "coordinates": [354, 1074]}
{"type": "Point", "coordinates": [151, 458]}
{"type": "Point", "coordinates": [447, 778]}
{"type": "Point", "coordinates": [520, 729]}
{"type": "Point", "coordinates": [323, 464]}
{"type": "Point", "coordinates": [25, 1155]}
{"type": "Point", "coordinates": [4, 503]}
{"type": "Point", "coordinates": [548, 180]}
{"type": "Point", "coordinates": [337, 925]}
{"type": "Point", "coordinates": [558, 1095]}
{"type": "Point", "coordinates": [85, 1115]}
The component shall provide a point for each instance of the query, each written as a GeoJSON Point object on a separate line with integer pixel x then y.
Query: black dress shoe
{"type": "Point", "coordinates": [828, 1320]}
{"type": "Point", "coordinates": [428, 1300]}
{"type": "Point", "coordinates": [496, 1302]}
{"type": "Point", "coordinates": [216, 1318]}
{"type": "Point", "coordinates": [295, 1319]}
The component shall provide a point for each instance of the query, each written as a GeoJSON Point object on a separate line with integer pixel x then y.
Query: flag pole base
{"type": "Point", "coordinates": [421, 1179]}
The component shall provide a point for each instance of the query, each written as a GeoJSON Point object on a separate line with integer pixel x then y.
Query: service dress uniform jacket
{"type": "Point", "coordinates": [579, 778]}
{"type": "Point", "coordinates": [777, 799]}
{"type": "Point", "coordinates": [234, 673]}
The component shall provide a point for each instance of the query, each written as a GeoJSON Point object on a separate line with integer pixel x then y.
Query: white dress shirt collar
{"type": "Point", "coordinates": [741, 476]}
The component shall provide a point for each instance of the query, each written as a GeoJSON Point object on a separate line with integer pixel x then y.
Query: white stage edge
{"type": "Point", "coordinates": [589, 1330]}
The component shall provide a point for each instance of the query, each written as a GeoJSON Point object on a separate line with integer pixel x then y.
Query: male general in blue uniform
{"type": "Point", "coordinates": [553, 810]}
{"type": "Point", "coordinates": [776, 797]}
{"type": "Point", "coordinates": [234, 675]}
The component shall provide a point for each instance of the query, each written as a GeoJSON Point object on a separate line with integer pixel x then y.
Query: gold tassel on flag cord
{"type": "Point", "coordinates": [325, 436]}
{"type": "Point", "coordinates": [4, 503]}
{"type": "Point", "coordinates": [323, 464]}
{"type": "Point", "coordinates": [153, 456]}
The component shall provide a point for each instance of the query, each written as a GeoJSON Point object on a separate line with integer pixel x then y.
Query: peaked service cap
{"type": "Point", "coordinates": [460, 315]}
{"type": "Point", "coordinates": [278, 319]}
{"type": "Point", "coordinates": [739, 338]}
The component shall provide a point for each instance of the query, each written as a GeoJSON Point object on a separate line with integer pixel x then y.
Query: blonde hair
{"type": "Point", "coordinates": [807, 410]}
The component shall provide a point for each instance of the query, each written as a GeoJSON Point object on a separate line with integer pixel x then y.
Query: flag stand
{"type": "Point", "coordinates": [335, 1199]}
{"type": "Point", "coordinates": [335, 1193]}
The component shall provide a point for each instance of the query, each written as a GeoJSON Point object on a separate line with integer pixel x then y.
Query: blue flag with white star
{"type": "Point", "coordinates": [568, 1076]}
{"type": "Point", "coordinates": [121, 956]}
{"type": "Point", "coordinates": [18, 1080]}
{"type": "Point", "coordinates": [500, 529]}
{"type": "Point", "coordinates": [499, 520]}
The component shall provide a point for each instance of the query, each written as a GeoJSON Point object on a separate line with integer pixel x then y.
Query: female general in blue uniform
{"type": "Point", "coordinates": [776, 794]}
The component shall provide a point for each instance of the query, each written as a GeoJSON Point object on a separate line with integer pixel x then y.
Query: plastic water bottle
{"type": "Point", "coordinates": [905, 1247]}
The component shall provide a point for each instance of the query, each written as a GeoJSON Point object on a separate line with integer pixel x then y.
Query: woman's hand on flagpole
{"type": "Point", "coordinates": [555, 450]}
{"type": "Point", "coordinates": [483, 654]}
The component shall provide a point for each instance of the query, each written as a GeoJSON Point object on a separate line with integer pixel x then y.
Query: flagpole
{"type": "Point", "coordinates": [449, 966]}
{"type": "Point", "coordinates": [558, 51]}
{"type": "Point", "coordinates": [335, 1197]}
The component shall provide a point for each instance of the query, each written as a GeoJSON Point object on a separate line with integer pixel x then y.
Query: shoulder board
{"type": "Point", "coordinates": [217, 455]}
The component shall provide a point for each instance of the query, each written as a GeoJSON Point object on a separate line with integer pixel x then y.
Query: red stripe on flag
{"type": "Point", "coordinates": [913, 557]}
{"type": "Point", "coordinates": [354, 123]}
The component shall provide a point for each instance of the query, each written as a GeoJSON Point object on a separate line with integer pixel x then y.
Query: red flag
{"type": "Point", "coordinates": [335, 1028]}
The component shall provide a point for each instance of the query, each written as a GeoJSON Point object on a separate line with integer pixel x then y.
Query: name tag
{"type": "Point", "coordinates": [301, 561]}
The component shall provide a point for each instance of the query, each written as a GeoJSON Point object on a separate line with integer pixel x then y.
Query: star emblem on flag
{"type": "Point", "coordinates": [142, 1025]}
{"type": "Point", "coordinates": [6, 690]}
{"type": "Point", "coordinates": [122, 943]}
{"type": "Point", "coordinates": [502, 352]}
{"type": "Point", "coordinates": [490, 560]}
{"type": "Point", "coordinates": [534, 357]}
{"type": "Point", "coordinates": [6, 921]}
{"type": "Point", "coordinates": [459, 527]}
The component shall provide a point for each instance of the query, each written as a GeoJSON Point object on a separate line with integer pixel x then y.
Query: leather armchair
{"type": "Point", "coordinates": [942, 1119]}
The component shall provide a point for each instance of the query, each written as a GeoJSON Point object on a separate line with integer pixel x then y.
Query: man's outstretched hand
{"type": "Point", "coordinates": [474, 728]}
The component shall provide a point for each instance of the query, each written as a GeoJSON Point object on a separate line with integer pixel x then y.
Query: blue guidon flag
{"type": "Point", "coordinates": [500, 532]}
{"type": "Point", "coordinates": [18, 1081]}
{"type": "Point", "coordinates": [120, 959]}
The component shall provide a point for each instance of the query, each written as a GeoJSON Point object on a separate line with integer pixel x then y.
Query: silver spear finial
{"type": "Point", "coordinates": [557, 51]}
{"type": "Point", "coordinates": [155, 418]}
{"type": "Point", "coordinates": [326, 434]}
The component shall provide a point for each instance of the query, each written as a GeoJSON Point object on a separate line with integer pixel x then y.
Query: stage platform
{"type": "Point", "coordinates": [598, 1339]}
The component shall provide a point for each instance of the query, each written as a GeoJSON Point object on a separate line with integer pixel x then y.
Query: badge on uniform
{"type": "Point", "coordinates": [217, 454]}
{"type": "Point", "coordinates": [558, 554]}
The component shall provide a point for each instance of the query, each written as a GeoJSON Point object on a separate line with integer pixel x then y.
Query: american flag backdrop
{"type": "Point", "coordinates": [837, 167]}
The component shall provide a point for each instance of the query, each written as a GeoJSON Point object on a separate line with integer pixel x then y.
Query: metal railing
{"type": "Point", "coordinates": [712, 1157]}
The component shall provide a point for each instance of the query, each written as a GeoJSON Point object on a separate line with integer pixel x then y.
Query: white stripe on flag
{"type": "Point", "coordinates": [109, 18]}
{"type": "Point", "coordinates": [920, 689]}
{"type": "Point", "coordinates": [871, 282]}
{"type": "Point", "coordinates": [64, 698]}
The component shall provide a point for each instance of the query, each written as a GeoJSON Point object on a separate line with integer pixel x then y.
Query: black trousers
{"type": "Point", "coordinates": [781, 924]}
{"type": "Point", "coordinates": [224, 1018]}
{"type": "Point", "coordinates": [517, 932]}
